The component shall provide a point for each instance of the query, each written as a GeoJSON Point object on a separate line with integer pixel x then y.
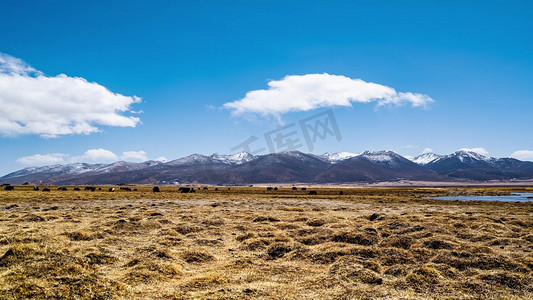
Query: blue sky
{"type": "Point", "coordinates": [186, 59]}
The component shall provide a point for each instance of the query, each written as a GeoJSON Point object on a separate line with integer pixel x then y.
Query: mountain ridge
{"type": "Point", "coordinates": [283, 167]}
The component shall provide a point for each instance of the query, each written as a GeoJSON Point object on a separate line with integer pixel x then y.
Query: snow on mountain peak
{"type": "Point", "coordinates": [462, 155]}
{"type": "Point", "coordinates": [237, 158]}
{"type": "Point", "coordinates": [339, 156]}
{"type": "Point", "coordinates": [379, 156]}
{"type": "Point", "coordinates": [426, 158]}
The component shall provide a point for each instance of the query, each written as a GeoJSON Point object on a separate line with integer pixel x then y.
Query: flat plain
{"type": "Point", "coordinates": [247, 242]}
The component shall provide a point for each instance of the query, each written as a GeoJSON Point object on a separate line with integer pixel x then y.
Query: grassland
{"type": "Point", "coordinates": [243, 243]}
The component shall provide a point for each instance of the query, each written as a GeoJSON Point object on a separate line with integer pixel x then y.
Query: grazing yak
{"type": "Point", "coordinates": [111, 189]}
{"type": "Point", "coordinates": [155, 189]}
{"type": "Point", "coordinates": [46, 190]}
{"type": "Point", "coordinates": [90, 188]}
{"type": "Point", "coordinates": [313, 193]}
{"type": "Point", "coordinates": [9, 188]}
{"type": "Point", "coordinates": [76, 188]}
{"type": "Point", "coordinates": [35, 188]}
{"type": "Point", "coordinates": [184, 190]}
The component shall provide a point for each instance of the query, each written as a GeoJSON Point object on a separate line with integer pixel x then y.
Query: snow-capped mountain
{"type": "Point", "coordinates": [75, 168]}
{"type": "Point", "coordinates": [284, 167]}
{"type": "Point", "coordinates": [121, 166]}
{"type": "Point", "coordinates": [474, 166]}
{"type": "Point", "coordinates": [426, 158]}
{"type": "Point", "coordinates": [388, 159]}
{"type": "Point", "coordinates": [237, 158]}
{"type": "Point", "coordinates": [336, 157]}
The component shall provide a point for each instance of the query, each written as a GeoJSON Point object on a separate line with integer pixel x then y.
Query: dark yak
{"type": "Point", "coordinates": [184, 190]}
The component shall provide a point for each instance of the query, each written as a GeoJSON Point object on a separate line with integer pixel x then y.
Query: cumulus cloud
{"type": "Point", "coordinates": [42, 159]}
{"type": "Point", "coordinates": [50, 106]}
{"type": "Point", "coordinates": [311, 91]}
{"type": "Point", "coordinates": [134, 155]}
{"type": "Point", "coordinates": [523, 155]}
{"type": "Point", "coordinates": [477, 150]}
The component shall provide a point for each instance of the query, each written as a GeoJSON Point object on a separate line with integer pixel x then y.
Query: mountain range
{"type": "Point", "coordinates": [284, 167]}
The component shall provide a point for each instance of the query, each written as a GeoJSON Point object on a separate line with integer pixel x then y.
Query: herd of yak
{"type": "Point", "coordinates": [9, 187]}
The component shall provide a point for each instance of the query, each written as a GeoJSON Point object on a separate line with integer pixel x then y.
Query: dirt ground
{"type": "Point", "coordinates": [237, 242]}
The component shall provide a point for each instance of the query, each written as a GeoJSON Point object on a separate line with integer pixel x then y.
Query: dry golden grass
{"type": "Point", "coordinates": [249, 243]}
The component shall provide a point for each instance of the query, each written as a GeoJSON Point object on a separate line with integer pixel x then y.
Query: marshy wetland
{"type": "Point", "coordinates": [247, 242]}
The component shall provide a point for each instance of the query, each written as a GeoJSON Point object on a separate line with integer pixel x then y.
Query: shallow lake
{"type": "Point", "coordinates": [514, 197]}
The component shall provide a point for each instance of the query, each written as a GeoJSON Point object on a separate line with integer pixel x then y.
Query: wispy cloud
{"type": "Point", "coordinates": [427, 150]}
{"type": "Point", "coordinates": [42, 159]}
{"type": "Point", "coordinates": [409, 147]}
{"type": "Point", "coordinates": [90, 156]}
{"type": "Point", "coordinates": [312, 91]}
{"type": "Point", "coordinates": [523, 155]}
{"type": "Point", "coordinates": [96, 155]}
{"type": "Point", "coordinates": [50, 106]}
{"type": "Point", "coordinates": [477, 150]}
{"type": "Point", "coordinates": [134, 155]}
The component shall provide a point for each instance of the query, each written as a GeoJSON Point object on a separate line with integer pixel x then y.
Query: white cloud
{"type": "Point", "coordinates": [161, 159]}
{"type": "Point", "coordinates": [33, 103]}
{"type": "Point", "coordinates": [311, 91]}
{"type": "Point", "coordinates": [477, 150]}
{"type": "Point", "coordinates": [409, 147]}
{"type": "Point", "coordinates": [42, 159]}
{"type": "Point", "coordinates": [523, 155]}
{"type": "Point", "coordinates": [427, 150]}
{"type": "Point", "coordinates": [90, 156]}
{"type": "Point", "coordinates": [134, 155]}
{"type": "Point", "coordinates": [96, 155]}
